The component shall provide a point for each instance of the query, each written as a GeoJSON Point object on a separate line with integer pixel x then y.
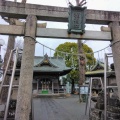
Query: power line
{"type": "Point", "coordinates": [72, 53]}
{"type": "Point", "coordinates": [84, 41]}
{"type": "Point", "coordinates": [102, 49]}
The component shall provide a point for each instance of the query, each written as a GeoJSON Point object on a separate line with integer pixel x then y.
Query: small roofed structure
{"type": "Point", "coordinates": [113, 102]}
{"type": "Point", "coordinates": [96, 71]}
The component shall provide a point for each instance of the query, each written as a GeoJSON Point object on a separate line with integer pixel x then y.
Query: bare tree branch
{"type": "Point", "coordinates": [77, 2]}
{"type": "Point", "coordinates": [80, 3]}
{"type": "Point", "coordinates": [24, 1]}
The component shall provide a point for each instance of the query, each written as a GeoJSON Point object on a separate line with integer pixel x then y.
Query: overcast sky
{"type": "Point", "coordinates": [110, 5]}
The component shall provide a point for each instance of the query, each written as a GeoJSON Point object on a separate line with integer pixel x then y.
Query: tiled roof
{"type": "Point", "coordinates": [52, 65]}
{"type": "Point", "coordinates": [98, 66]}
{"type": "Point", "coordinates": [98, 71]}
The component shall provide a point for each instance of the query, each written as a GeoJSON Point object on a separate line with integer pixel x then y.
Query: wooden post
{"type": "Point", "coordinates": [115, 29]}
{"type": "Point", "coordinates": [26, 75]}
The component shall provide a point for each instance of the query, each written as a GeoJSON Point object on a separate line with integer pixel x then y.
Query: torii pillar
{"type": "Point", "coordinates": [115, 31]}
{"type": "Point", "coordinates": [26, 75]}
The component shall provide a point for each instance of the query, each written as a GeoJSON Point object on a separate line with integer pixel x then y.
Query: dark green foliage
{"type": "Point", "coordinates": [71, 60]}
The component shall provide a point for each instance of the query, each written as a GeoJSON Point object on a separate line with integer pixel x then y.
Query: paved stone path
{"type": "Point", "coordinates": [58, 109]}
{"type": "Point", "coordinates": [76, 109]}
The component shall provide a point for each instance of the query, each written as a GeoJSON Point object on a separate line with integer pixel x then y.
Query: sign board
{"type": "Point", "coordinates": [77, 19]}
{"type": "Point", "coordinates": [83, 90]}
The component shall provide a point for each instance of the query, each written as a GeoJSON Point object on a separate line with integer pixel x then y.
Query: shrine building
{"type": "Point", "coordinates": [46, 74]}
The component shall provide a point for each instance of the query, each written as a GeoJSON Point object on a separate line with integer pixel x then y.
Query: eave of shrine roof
{"type": "Point", "coordinates": [98, 64]}
{"type": "Point", "coordinates": [99, 73]}
{"type": "Point", "coordinates": [50, 69]}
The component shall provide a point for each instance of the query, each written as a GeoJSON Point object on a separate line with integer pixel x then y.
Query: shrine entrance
{"type": "Point", "coordinates": [45, 84]}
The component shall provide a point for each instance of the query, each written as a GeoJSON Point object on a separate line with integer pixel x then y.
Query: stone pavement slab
{"type": "Point", "coordinates": [58, 109]}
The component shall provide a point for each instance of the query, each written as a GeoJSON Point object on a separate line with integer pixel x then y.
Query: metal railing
{"type": "Point", "coordinates": [11, 80]}
{"type": "Point", "coordinates": [10, 87]}
{"type": "Point", "coordinates": [88, 103]}
{"type": "Point", "coordinates": [8, 63]}
{"type": "Point", "coordinates": [106, 56]}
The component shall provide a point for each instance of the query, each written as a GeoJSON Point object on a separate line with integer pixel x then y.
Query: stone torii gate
{"type": "Point", "coordinates": [32, 13]}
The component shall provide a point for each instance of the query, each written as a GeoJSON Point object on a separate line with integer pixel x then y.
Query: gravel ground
{"type": "Point", "coordinates": [59, 109]}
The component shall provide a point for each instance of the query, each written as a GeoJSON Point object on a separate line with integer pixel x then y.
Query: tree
{"type": "Point", "coordinates": [69, 53]}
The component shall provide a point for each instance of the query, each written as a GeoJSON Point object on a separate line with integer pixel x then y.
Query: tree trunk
{"type": "Point", "coordinates": [81, 63]}
{"type": "Point", "coordinates": [81, 58]}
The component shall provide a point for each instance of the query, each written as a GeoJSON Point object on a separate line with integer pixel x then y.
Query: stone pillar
{"type": "Point", "coordinates": [26, 75]}
{"type": "Point", "coordinates": [37, 84]}
{"type": "Point", "coordinates": [58, 85]}
{"type": "Point", "coordinates": [52, 87]}
{"type": "Point", "coordinates": [42, 85]}
{"type": "Point", "coordinates": [115, 30]}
